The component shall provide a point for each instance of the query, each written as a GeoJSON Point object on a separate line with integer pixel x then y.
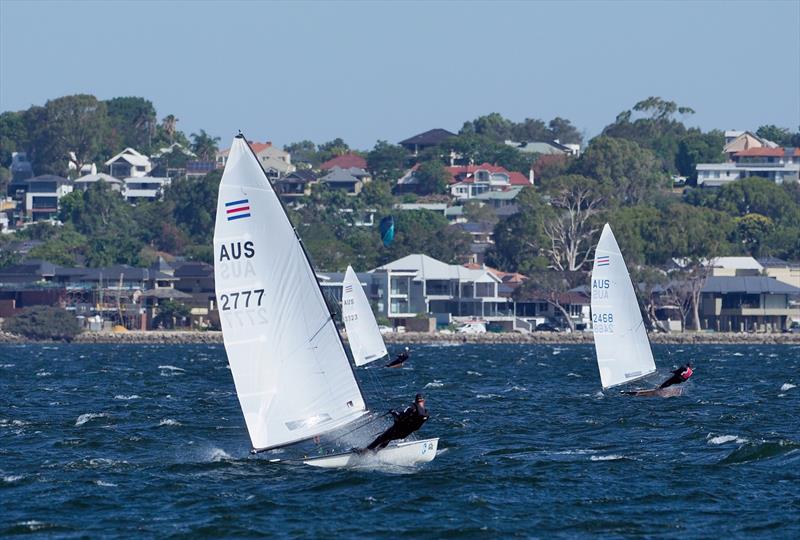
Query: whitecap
{"type": "Point", "coordinates": [487, 396]}
{"type": "Point", "coordinates": [171, 368]}
{"type": "Point", "coordinates": [82, 419]}
{"type": "Point", "coordinates": [19, 423]}
{"type": "Point", "coordinates": [7, 365]}
{"type": "Point", "coordinates": [33, 525]}
{"type": "Point", "coordinates": [169, 422]}
{"type": "Point", "coordinates": [787, 386]}
{"type": "Point", "coordinates": [104, 484]}
{"type": "Point", "coordinates": [722, 439]}
{"type": "Point", "coordinates": [218, 454]}
{"type": "Point", "coordinates": [610, 457]}
{"type": "Point", "coordinates": [476, 373]}
{"type": "Point", "coordinates": [737, 354]}
{"type": "Point", "coordinates": [43, 373]}
{"type": "Point", "coordinates": [11, 478]}
{"type": "Point", "coordinates": [126, 398]}
{"type": "Point", "coordinates": [517, 389]}
{"type": "Point", "coordinates": [434, 384]}
{"type": "Point", "coordinates": [570, 374]}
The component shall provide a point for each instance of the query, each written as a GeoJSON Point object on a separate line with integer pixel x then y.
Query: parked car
{"type": "Point", "coordinates": [472, 328]}
{"type": "Point", "coordinates": [547, 327]}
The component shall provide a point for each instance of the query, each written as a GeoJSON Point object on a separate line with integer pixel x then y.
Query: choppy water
{"type": "Point", "coordinates": [148, 441]}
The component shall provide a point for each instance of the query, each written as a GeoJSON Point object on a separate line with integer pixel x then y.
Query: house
{"type": "Point", "coordinates": [147, 188]}
{"type": "Point", "coordinates": [748, 304]}
{"type": "Point", "coordinates": [199, 168]}
{"type": "Point", "coordinates": [42, 196]}
{"type": "Point", "coordinates": [503, 202]}
{"type": "Point", "coordinates": [345, 161]}
{"type": "Point", "coordinates": [538, 306]}
{"type": "Point", "coordinates": [275, 162]}
{"type": "Point", "coordinates": [420, 284]}
{"type": "Point", "coordinates": [84, 182]}
{"type": "Point", "coordinates": [778, 165]}
{"type": "Point", "coordinates": [472, 180]}
{"type": "Point", "coordinates": [738, 141]}
{"type": "Point", "coordinates": [296, 184]}
{"type": "Point", "coordinates": [787, 272]}
{"type": "Point", "coordinates": [129, 163]}
{"type": "Point", "coordinates": [481, 236]}
{"type": "Point", "coordinates": [351, 180]}
{"type": "Point", "coordinates": [421, 141]}
{"type": "Point", "coordinates": [546, 148]}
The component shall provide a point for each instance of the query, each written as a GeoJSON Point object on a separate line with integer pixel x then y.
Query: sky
{"type": "Point", "coordinates": [366, 71]}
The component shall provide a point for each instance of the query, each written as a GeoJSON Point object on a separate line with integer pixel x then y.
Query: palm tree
{"type": "Point", "coordinates": [204, 145]}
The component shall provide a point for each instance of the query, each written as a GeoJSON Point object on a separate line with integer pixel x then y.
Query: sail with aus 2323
{"type": "Point", "coordinates": [620, 337]}
{"type": "Point", "coordinates": [291, 371]}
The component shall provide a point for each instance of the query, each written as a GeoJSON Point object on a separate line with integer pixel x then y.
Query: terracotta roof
{"type": "Point", "coordinates": [258, 147]}
{"type": "Point", "coordinates": [505, 277]}
{"type": "Point", "coordinates": [768, 152]}
{"type": "Point", "coordinates": [467, 174]}
{"type": "Point", "coordinates": [345, 161]}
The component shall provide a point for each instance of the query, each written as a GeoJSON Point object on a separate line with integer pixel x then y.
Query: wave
{"type": "Point", "coordinates": [570, 374]}
{"type": "Point", "coordinates": [435, 384]}
{"type": "Point", "coordinates": [126, 398]}
{"type": "Point", "coordinates": [487, 396]}
{"type": "Point", "coordinates": [171, 368]}
{"type": "Point", "coordinates": [169, 422]}
{"type": "Point", "coordinates": [104, 484]}
{"type": "Point", "coordinates": [787, 386]}
{"type": "Point", "coordinates": [722, 439]}
{"type": "Point", "coordinates": [476, 373]}
{"type": "Point", "coordinates": [43, 373]}
{"type": "Point", "coordinates": [610, 457]}
{"type": "Point", "coordinates": [12, 478]}
{"type": "Point", "coordinates": [82, 419]}
{"type": "Point", "coordinates": [760, 451]}
{"type": "Point", "coordinates": [218, 454]}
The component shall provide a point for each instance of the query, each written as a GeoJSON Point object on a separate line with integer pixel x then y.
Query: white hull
{"type": "Point", "coordinates": [403, 454]}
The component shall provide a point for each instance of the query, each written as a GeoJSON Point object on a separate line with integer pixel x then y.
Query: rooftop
{"type": "Point", "coordinates": [748, 285]}
{"type": "Point", "coordinates": [345, 161]}
{"type": "Point", "coordinates": [431, 137]}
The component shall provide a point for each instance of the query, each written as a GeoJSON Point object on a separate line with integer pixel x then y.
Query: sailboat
{"type": "Point", "coordinates": [292, 375]}
{"type": "Point", "coordinates": [623, 349]}
{"type": "Point", "coordinates": [366, 342]}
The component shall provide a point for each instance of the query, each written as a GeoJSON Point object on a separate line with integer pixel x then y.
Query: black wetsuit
{"type": "Point", "coordinates": [405, 423]}
{"type": "Point", "coordinates": [680, 375]}
{"type": "Point", "coordinates": [399, 359]}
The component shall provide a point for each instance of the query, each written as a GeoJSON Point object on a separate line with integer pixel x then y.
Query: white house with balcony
{"type": "Point", "coordinates": [42, 196]}
{"type": "Point", "coordinates": [147, 188]}
{"type": "Point", "coordinates": [129, 163]}
{"type": "Point", "coordinates": [778, 165]}
{"type": "Point", "coordinates": [420, 284]}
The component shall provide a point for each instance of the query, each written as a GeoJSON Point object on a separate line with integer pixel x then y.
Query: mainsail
{"type": "Point", "coordinates": [365, 339]}
{"type": "Point", "coordinates": [620, 337]}
{"type": "Point", "coordinates": [291, 372]}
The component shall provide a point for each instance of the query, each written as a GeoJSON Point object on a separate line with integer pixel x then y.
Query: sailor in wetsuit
{"type": "Point", "coordinates": [680, 375]}
{"type": "Point", "coordinates": [399, 359]}
{"type": "Point", "coordinates": [405, 423]}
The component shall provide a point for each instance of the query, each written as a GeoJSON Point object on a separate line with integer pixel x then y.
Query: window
{"type": "Point", "coordinates": [399, 306]}
{"type": "Point", "coordinates": [140, 168]}
{"type": "Point", "coordinates": [437, 287]}
{"type": "Point", "coordinates": [484, 290]}
{"type": "Point", "coordinates": [400, 285]}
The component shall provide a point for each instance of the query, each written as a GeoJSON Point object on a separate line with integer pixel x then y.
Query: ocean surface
{"type": "Point", "coordinates": [107, 441]}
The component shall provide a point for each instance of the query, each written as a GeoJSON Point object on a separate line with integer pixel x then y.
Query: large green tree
{"type": "Point", "coordinates": [131, 122]}
{"type": "Point", "coordinates": [432, 178]}
{"type": "Point", "coordinates": [387, 161]}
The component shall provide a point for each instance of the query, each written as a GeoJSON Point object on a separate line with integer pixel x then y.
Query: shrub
{"type": "Point", "coordinates": [44, 322]}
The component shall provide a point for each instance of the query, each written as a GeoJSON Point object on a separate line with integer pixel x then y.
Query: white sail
{"type": "Point", "coordinates": [365, 339]}
{"type": "Point", "coordinates": [291, 372]}
{"type": "Point", "coordinates": [620, 337]}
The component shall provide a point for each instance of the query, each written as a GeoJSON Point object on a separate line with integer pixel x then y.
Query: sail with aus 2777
{"type": "Point", "coordinates": [289, 365]}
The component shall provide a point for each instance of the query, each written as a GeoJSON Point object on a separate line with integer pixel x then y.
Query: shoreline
{"type": "Point", "coordinates": [215, 337]}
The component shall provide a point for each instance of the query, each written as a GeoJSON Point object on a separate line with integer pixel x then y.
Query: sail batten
{"type": "Point", "coordinates": [366, 342]}
{"type": "Point", "coordinates": [620, 338]}
{"type": "Point", "coordinates": [291, 371]}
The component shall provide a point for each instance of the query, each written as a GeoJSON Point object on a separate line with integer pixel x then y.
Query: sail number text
{"type": "Point", "coordinates": [241, 299]}
{"type": "Point", "coordinates": [603, 323]}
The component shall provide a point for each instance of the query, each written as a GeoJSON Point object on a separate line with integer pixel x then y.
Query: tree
{"type": "Point", "coordinates": [195, 206]}
{"type": "Point", "coordinates": [170, 312]}
{"type": "Point", "coordinates": [552, 287]}
{"type": "Point", "coordinates": [753, 231]}
{"type": "Point", "coordinates": [70, 130]}
{"type": "Point", "coordinates": [14, 136]}
{"type": "Point", "coordinates": [698, 147]}
{"type": "Point", "coordinates": [631, 173]}
{"type": "Point", "coordinates": [493, 126]}
{"type": "Point", "coordinates": [204, 145]}
{"type": "Point", "coordinates": [648, 282]}
{"type": "Point", "coordinates": [44, 322]}
{"type": "Point", "coordinates": [64, 247]}
{"type": "Point", "coordinates": [304, 153]}
{"type": "Point", "coordinates": [423, 231]}
{"type": "Point", "coordinates": [576, 201]}
{"type": "Point", "coordinates": [131, 122]}
{"type": "Point", "coordinates": [779, 135]}
{"type": "Point", "coordinates": [387, 161]}
{"type": "Point", "coordinates": [563, 131]}
{"type": "Point", "coordinates": [520, 238]}
{"type": "Point", "coordinates": [660, 109]}
{"type": "Point", "coordinates": [331, 149]}
{"type": "Point", "coordinates": [432, 178]}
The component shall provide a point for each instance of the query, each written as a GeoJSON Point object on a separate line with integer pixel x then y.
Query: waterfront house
{"type": "Point", "coordinates": [785, 271]}
{"type": "Point", "coordinates": [748, 304]}
{"type": "Point", "coordinates": [738, 141]}
{"type": "Point", "coordinates": [778, 165]}
{"type": "Point", "coordinates": [145, 188]}
{"type": "Point", "coordinates": [84, 182]}
{"type": "Point", "coordinates": [129, 163]}
{"type": "Point", "coordinates": [472, 180]}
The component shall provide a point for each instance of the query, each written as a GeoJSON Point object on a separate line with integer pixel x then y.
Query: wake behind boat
{"type": "Point", "coordinates": [621, 344]}
{"type": "Point", "coordinates": [290, 368]}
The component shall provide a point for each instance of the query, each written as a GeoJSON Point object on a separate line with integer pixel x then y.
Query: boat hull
{"type": "Point", "coordinates": [405, 454]}
{"type": "Point", "coordinates": [670, 391]}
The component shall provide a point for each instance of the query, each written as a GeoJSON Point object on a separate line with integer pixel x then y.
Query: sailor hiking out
{"type": "Point", "coordinates": [680, 375]}
{"type": "Point", "coordinates": [405, 423]}
{"type": "Point", "coordinates": [399, 360]}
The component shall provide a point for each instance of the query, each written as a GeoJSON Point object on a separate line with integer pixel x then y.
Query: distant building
{"type": "Point", "coordinates": [351, 180]}
{"type": "Point", "coordinates": [129, 163]}
{"type": "Point", "coordinates": [739, 141]}
{"type": "Point", "coordinates": [345, 161]}
{"type": "Point", "coordinates": [148, 188]}
{"type": "Point", "coordinates": [778, 165]}
{"type": "Point", "coordinates": [546, 148]}
{"type": "Point", "coordinates": [785, 271]}
{"type": "Point", "coordinates": [428, 139]}
{"type": "Point", "coordinates": [469, 181]}
{"type": "Point", "coordinates": [296, 184]}
{"type": "Point", "coordinates": [42, 196]}
{"type": "Point", "coordinates": [745, 304]}
{"type": "Point", "coordinates": [276, 162]}
{"type": "Point", "coordinates": [84, 182]}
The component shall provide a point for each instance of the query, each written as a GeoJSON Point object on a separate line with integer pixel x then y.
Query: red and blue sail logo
{"type": "Point", "coordinates": [602, 261]}
{"type": "Point", "coordinates": [237, 209]}
{"type": "Point", "coordinates": [348, 288]}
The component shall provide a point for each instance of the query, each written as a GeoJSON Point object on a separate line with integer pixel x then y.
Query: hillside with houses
{"type": "Point", "coordinates": [108, 213]}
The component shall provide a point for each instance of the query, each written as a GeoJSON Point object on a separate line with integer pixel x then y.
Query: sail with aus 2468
{"type": "Point", "coordinates": [365, 339]}
{"type": "Point", "coordinates": [291, 371]}
{"type": "Point", "coordinates": [620, 337]}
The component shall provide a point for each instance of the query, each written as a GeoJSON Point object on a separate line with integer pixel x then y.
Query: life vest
{"type": "Point", "coordinates": [686, 373]}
